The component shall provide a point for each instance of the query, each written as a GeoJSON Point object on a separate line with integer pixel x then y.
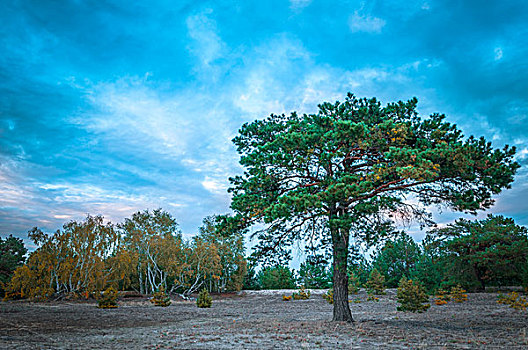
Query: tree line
{"type": "Point", "coordinates": [144, 253]}
{"type": "Point", "coordinates": [473, 254]}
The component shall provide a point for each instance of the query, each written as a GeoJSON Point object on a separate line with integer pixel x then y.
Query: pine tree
{"type": "Point", "coordinates": [204, 299]}
{"type": "Point", "coordinates": [411, 295]}
{"type": "Point", "coordinates": [376, 283]}
{"type": "Point", "coordinates": [353, 284]}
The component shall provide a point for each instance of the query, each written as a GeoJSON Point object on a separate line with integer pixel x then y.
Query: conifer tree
{"type": "Point", "coordinates": [411, 296]}
{"type": "Point", "coordinates": [376, 283]}
{"type": "Point", "coordinates": [204, 300]}
{"type": "Point", "coordinates": [340, 173]}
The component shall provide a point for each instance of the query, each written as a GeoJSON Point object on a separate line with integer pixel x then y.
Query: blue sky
{"type": "Point", "coordinates": [107, 107]}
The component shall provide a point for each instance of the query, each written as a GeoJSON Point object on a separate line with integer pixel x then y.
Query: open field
{"type": "Point", "coordinates": [256, 320]}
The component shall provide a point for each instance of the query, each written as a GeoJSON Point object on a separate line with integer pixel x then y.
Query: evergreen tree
{"type": "Point", "coordinates": [376, 283]}
{"type": "Point", "coordinates": [396, 259]}
{"type": "Point", "coordinates": [12, 255]}
{"type": "Point", "coordinates": [342, 172]}
{"type": "Point", "coordinates": [411, 296]}
{"type": "Point", "coordinates": [276, 277]}
{"type": "Point", "coordinates": [204, 300]}
{"type": "Point", "coordinates": [315, 273]}
{"type": "Point", "coordinates": [492, 250]}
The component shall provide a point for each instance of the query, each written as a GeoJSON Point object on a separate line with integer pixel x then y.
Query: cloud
{"type": "Point", "coordinates": [299, 4]}
{"type": "Point", "coordinates": [214, 186]}
{"type": "Point", "coordinates": [365, 23]}
{"type": "Point", "coordinates": [206, 44]}
{"type": "Point", "coordinates": [498, 53]}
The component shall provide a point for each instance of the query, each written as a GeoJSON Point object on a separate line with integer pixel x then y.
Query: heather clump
{"type": "Point", "coordinates": [108, 299]}
{"type": "Point", "coordinates": [301, 295]}
{"type": "Point", "coordinates": [514, 300]}
{"type": "Point", "coordinates": [161, 298]}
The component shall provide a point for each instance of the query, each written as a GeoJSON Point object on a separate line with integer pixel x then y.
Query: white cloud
{"type": "Point", "coordinates": [133, 113]}
{"type": "Point", "coordinates": [498, 53]}
{"type": "Point", "coordinates": [522, 154]}
{"type": "Point", "coordinates": [206, 45]}
{"type": "Point", "coordinates": [215, 186]}
{"type": "Point", "coordinates": [61, 216]}
{"type": "Point", "coordinates": [188, 131]}
{"type": "Point", "coordinates": [365, 23]}
{"type": "Point", "coordinates": [299, 4]}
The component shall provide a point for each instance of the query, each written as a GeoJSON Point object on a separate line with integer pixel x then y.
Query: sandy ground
{"type": "Point", "coordinates": [262, 320]}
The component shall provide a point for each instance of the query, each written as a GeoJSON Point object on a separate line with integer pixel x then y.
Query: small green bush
{"type": "Point", "coordinates": [376, 283]}
{"type": "Point", "coordinates": [442, 297]}
{"type": "Point", "coordinates": [160, 298]}
{"type": "Point", "coordinates": [108, 299]}
{"type": "Point", "coordinates": [411, 295]}
{"type": "Point", "coordinates": [204, 299]}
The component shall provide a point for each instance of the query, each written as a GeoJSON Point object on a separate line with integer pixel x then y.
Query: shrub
{"type": "Point", "coordinates": [458, 294]}
{"type": "Point", "coordinates": [108, 299]}
{"type": "Point", "coordinates": [375, 283]}
{"type": "Point", "coordinates": [160, 298]}
{"type": "Point", "coordinates": [204, 299]}
{"type": "Point", "coordinates": [302, 295]}
{"type": "Point", "coordinates": [371, 297]}
{"type": "Point", "coordinates": [514, 300]}
{"type": "Point", "coordinates": [442, 297]}
{"type": "Point", "coordinates": [286, 297]}
{"type": "Point", "coordinates": [411, 295]}
{"type": "Point", "coordinates": [329, 296]}
{"type": "Point", "coordinates": [353, 284]}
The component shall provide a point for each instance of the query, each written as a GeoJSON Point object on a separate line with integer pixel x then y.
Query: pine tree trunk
{"type": "Point", "coordinates": [340, 253]}
{"type": "Point", "coordinates": [479, 275]}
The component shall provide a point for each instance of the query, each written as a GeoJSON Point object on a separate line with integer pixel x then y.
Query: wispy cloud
{"type": "Point", "coordinates": [299, 4]}
{"type": "Point", "coordinates": [498, 53]}
{"type": "Point", "coordinates": [359, 22]}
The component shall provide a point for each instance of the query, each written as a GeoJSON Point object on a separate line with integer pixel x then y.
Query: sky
{"type": "Point", "coordinates": [110, 107]}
